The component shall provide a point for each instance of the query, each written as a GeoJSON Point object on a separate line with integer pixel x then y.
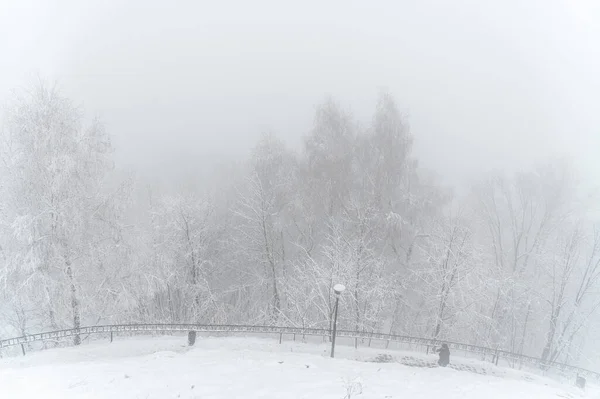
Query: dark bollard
{"type": "Point", "coordinates": [23, 349]}
{"type": "Point", "coordinates": [111, 336]}
{"type": "Point", "coordinates": [191, 338]}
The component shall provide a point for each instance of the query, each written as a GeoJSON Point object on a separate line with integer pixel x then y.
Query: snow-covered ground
{"type": "Point", "coordinates": [165, 367]}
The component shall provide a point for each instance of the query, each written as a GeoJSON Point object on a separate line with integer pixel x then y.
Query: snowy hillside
{"type": "Point", "coordinates": [164, 367]}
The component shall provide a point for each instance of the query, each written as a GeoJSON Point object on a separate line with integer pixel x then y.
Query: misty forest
{"type": "Point", "coordinates": [511, 263]}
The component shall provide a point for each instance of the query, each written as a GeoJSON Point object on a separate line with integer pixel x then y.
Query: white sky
{"type": "Point", "coordinates": [181, 84]}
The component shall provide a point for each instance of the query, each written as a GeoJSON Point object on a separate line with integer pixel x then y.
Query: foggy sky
{"type": "Point", "coordinates": [181, 85]}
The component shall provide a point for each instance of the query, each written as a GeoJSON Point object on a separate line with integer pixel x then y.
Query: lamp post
{"type": "Point", "coordinates": [338, 289]}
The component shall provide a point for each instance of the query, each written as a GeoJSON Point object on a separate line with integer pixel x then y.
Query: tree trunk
{"type": "Point", "coordinates": [193, 267]}
{"type": "Point", "coordinates": [74, 304]}
{"type": "Point", "coordinates": [51, 314]}
{"type": "Point", "coordinates": [270, 258]}
{"type": "Point", "coordinates": [550, 336]}
{"type": "Point", "coordinates": [276, 299]}
{"type": "Point", "coordinates": [525, 329]}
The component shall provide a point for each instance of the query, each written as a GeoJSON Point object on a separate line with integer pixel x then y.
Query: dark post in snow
{"type": "Point", "coordinates": [191, 338]}
{"type": "Point", "coordinates": [338, 289]}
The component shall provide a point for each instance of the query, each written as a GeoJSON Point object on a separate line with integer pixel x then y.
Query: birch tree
{"type": "Point", "coordinates": [56, 205]}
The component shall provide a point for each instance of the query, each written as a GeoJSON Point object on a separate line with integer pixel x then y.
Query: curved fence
{"type": "Point", "coordinates": [495, 354]}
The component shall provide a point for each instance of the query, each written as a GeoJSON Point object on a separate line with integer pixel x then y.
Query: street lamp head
{"type": "Point", "coordinates": [339, 288]}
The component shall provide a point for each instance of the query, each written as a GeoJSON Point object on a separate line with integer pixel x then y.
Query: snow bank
{"type": "Point", "coordinates": [164, 367]}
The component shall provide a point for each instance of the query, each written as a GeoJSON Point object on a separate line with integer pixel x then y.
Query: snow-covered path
{"type": "Point", "coordinates": [164, 367]}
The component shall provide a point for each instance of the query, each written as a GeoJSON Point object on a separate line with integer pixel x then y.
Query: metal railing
{"type": "Point", "coordinates": [216, 328]}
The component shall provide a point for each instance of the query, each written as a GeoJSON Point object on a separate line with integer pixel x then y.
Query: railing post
{"type": "Point", "coordinates": [23, 349]}
{"type": "Point", "coordinates": [280, 337]}
{"type": "Point", "coordinates": [111, 336]}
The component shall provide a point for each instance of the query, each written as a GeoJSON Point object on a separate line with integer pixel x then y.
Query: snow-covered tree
{"type": "Point", "coordinates": [59, 216]}
{"type": "Point", "coordinates": [263, 222]}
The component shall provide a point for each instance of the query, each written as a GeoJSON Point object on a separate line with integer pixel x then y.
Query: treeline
{"type": "Point", "coordinates": [515, 264]}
